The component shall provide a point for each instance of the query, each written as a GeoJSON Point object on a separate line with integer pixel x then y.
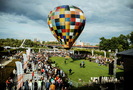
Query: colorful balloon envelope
{"type": "Point", "coordinates": [66, 24]}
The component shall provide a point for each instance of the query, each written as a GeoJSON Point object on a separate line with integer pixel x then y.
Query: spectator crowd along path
{"type": "Point", "coordinates": [40, 74]}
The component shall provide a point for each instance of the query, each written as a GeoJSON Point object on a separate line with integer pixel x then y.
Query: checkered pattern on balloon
{"type": "Point", "coordinates": [66, 24]}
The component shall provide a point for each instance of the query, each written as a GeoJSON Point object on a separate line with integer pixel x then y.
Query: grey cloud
{"type": "Point", "coordinates": [113, 17]}
{"type": "Point", "coordinates": [22, 22]}
{"type": "Point", "coordinates": [23, 7]}
{"type": "Point", "coordinates": [130, 5]}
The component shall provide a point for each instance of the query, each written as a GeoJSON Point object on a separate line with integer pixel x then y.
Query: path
{"type": "Point", "coordinates": [28, 76]}
{"type": "Point", "coordinates": [5, 62]}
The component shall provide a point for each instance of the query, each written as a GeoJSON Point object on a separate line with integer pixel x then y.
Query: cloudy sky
{"type": "Point", "coordinates": [22, 19]}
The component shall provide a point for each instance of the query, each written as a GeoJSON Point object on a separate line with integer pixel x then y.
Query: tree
{"type": "Point", "coordinates": [123, 40]}
{"type": "Point", "coordinates": [103, 44]}
{"type": "Point", "coordinates": [28, 43]}
{"type": "Point", "coordinates": [16, 43]}
{"type": "Point", "coordinates": [130, 39]}
{"type": "Point", "coordinates": [121, 43]}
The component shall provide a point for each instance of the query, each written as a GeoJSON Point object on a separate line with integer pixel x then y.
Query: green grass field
{"type": "Point", "coordinates": [91, 69]}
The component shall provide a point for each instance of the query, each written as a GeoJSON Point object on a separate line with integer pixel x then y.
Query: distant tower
{"type": "Point", "coordinates": [35, 40]}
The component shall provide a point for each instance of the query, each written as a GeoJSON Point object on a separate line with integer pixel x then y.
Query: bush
{"type": "Point", "coordinates": [99, 53]}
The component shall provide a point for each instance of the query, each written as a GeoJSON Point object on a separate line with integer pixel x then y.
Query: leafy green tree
{"type": "Point", "coordinates": [130, 38]}
{"type": "Point", "coordinates": [103, 44]}
{"type": "Point", "coordinates": [28, 43]}
{"type": "Point", "coordinates": [121, 43]}
{"type": "Point", "coordinates": [123, 40]}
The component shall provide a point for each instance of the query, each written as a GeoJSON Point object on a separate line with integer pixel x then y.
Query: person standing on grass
{"type": "Point", "coordinates": [80, 65]}
{"type": "Point", "coordinates": [83, 62]}
{"type": "Point", "coordinates": [65, 61]}
{"type": "Point", "coordinates": [83, 65]}
{"type": "Point", "coordinates": [70, 71]}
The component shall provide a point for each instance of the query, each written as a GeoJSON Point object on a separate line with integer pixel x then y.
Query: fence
{"type": "Point", "coordinates": [79, 84]}
{"type": "Point", "coordinates": [95, 80]}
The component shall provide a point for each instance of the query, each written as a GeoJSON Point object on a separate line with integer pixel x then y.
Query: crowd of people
{"type": "Point", "coordinates": [95, 58]}
{"type": "Point", "coordinates": [103, 79]}
{"type": "Point", "coordinates": [78, 56]}
{"type": "Point", "coordinates": [46, 76]}
{"type": "Point", "coordinates": [100, 59]}
{"type": "Point", "coordinates": [50, 77]}
{"type": "Point", "coordinates": [9, 83]}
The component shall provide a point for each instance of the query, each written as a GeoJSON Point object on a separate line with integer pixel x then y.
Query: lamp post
{"type": "Point", "coordinates": [104, 54]}
{"type": "Point", "coordinates": [92, 52]}
{"type": "Point", "coordinates": [115, 62]}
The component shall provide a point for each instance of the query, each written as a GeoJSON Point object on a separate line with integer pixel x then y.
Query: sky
{"type": "Point", "coordinates": [27, 19]}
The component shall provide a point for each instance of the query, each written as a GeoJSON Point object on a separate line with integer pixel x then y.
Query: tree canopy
{"type": "Point", "coordinates": [122, 42]}
{"type": "Point", "coordinates": [28, 43]}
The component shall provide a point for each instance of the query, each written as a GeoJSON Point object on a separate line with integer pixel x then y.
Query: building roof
{"type": "Point", "coordinates": [126, 53]}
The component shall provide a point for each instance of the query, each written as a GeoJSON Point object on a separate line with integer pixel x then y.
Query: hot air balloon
{"type": "Point", "coordinates": [66, 23]}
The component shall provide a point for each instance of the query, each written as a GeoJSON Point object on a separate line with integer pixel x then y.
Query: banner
{"type": "Point", "coordinates": [25, 60]}
{"type": "Point", "coordinates": [19, 74]}
{"type": "Point", "coordinates": [28, 53]}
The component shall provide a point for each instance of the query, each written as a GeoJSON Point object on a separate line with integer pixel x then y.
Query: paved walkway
{"type": "Point", "coordinates": [5, 62]}
{"type": "Point", "coordinates": [28, 76]}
